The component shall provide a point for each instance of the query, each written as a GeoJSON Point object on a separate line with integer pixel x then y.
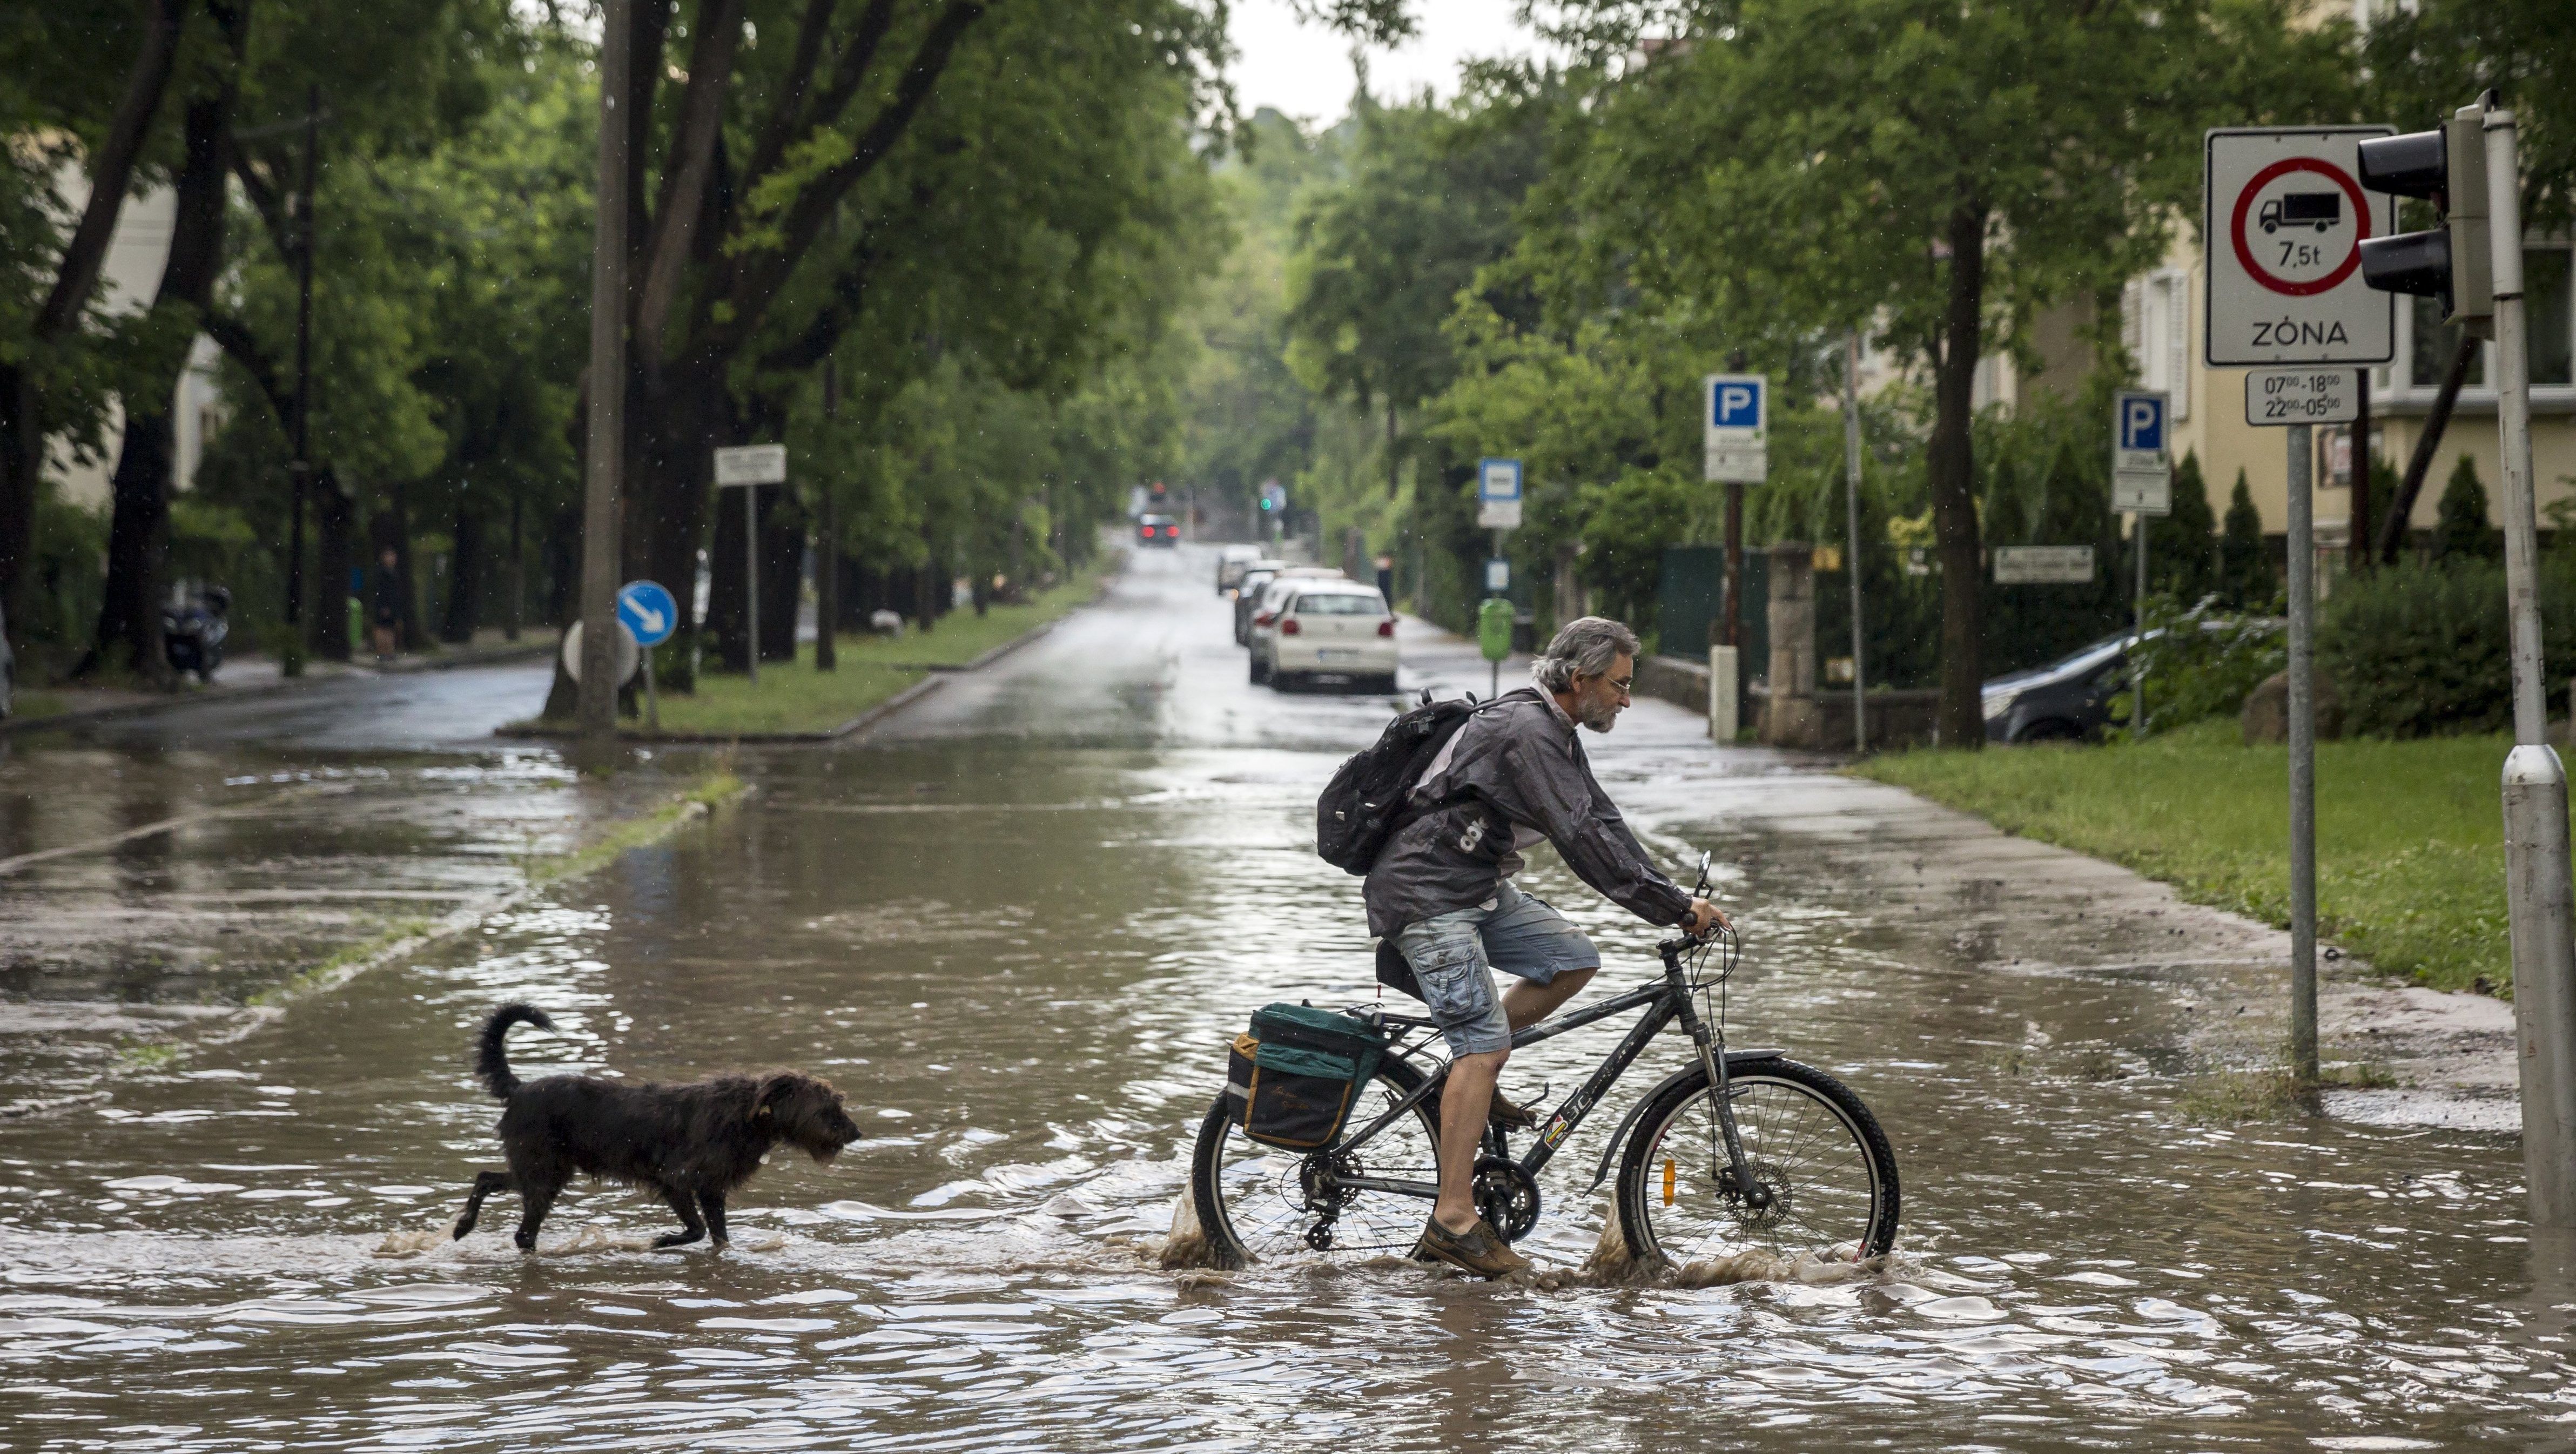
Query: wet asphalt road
{"type": "Point", "coordinates": [1018, 925]}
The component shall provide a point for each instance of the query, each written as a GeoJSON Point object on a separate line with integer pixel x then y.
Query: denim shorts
{"type": "Point", "coordinates": [1514, 932]}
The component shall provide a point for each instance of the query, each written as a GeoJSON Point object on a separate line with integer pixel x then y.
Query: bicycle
{"type": "Point", "coordinates": [1779, 1156]}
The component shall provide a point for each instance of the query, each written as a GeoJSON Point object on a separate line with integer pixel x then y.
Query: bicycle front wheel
{"type": "Point", "coordinates": [1825, 1174]}
{"type": "Point", "coordinates": [1259, 1203]}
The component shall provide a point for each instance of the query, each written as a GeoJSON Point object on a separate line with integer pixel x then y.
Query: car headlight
{"type": "Point", "coordinates": [1998, 703]}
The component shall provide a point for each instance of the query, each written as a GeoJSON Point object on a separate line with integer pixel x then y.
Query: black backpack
{"type": "Point", "coordinates": [1364, 804]}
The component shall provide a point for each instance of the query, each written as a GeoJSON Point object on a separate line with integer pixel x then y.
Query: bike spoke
{"type": "Point", "coordinates": [1801, 1149]}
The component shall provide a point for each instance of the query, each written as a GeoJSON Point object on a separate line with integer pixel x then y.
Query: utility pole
{"type": "Point", "coordinates": [827, 542]}
{"type": "Point", "coordinates": [2540, 904]}
{"type": "Point", "coordinates": [300, 471]}
{"type": "Point", "coordinates": [597, 712]}
{"type": "Point", "coordinates": [1851, 489]}
{"type": "Point", "coordinates": [2473, 262]}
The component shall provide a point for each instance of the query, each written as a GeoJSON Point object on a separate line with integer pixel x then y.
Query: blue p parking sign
{"type": "Point", "coordinates": [2142, 423]}
{"type": "Point", "coordinates": [1735, 402]}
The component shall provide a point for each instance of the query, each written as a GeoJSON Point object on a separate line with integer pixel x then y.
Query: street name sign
{"type": "Point", "coordinates": [2141, 462]}
{"type": "Point", "coordinates": [751, 464]}
{"type": "Point", "coordinates": [1735, 418]}
{"type": "Point", "coordinates": [2302, 396]}
{"type": "Point", "coordinates": [2043, 565]}
{"type": "Point", "coordinates": [2284, 216]}
{"type": "Point", "coordinates": [1498, 494]}
{"type": "Point", "coordinates": [649, 613]}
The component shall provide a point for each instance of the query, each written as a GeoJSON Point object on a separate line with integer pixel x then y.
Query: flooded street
{"type": "Point", "coordinates": [1018, 926]}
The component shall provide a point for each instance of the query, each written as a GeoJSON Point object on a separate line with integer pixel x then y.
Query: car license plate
{"type": "Point", "coordinates": [1330, 654]}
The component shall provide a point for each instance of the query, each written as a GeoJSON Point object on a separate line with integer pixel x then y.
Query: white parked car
{"type": "Point", "coordinates": [1315, 631]}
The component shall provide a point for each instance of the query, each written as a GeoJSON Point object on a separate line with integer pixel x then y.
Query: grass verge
{"type": "Point", "coordinates": [716, 787]}
{"type": "Point", "coordinates": [2410, 835]}
{"type": "Point", "coordinates": [794, 697]}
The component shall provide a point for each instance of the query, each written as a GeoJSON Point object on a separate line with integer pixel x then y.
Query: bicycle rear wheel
{"type": "Point", "coordinates": [1815, 1149]}
{"type": "Point", "coordinates": [1259, 1203]}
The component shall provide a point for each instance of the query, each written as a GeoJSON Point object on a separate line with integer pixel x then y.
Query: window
{"type": "Point", "coordinates": [2431, 357]}
{"type": "Point", "coordinates": [2155, 326]}
{"type": "Point", "coordinates": [2547, 299]}
{"type": "Point", "coordinates": [1340, 603]}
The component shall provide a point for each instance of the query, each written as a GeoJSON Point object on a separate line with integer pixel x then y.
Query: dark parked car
{"type": "Point", "coordinates": [2068, 700]}
{"type": "Point", "coordinates": [1158, 530]}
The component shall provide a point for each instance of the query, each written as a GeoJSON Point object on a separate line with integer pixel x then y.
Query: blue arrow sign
{"type": "Point", "coordinates": [648, 611]}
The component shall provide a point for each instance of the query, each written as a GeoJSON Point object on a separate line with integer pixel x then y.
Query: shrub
{"type": "Point", "coordinates": [2423, 650]}
{"type": "Point", "coordinates": [2200, 664]}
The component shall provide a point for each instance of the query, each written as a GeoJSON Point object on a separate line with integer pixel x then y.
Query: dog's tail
{"type": "Point", "coordinates": [489, 1061]}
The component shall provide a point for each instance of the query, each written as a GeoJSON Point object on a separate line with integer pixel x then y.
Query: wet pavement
{"type": "Point", "coordinates": [1018, 926]}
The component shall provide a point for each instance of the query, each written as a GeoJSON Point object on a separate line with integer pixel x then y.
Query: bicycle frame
{"type": "Point", "coordinates": [1665, 1000]}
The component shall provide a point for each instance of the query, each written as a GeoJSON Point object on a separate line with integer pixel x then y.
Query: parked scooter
{"type": "Point", "coordinates": [192, 636]}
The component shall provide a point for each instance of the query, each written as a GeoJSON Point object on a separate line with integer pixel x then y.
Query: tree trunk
{"type": "Point", "coordinates": [335, 521]}
{"type": "Point", "coordinates": [2393, 525]}
{"type": "Point", "coordinates": [1953, 481]}
{"type": "Point", "coordinates": [464, 613]}
{"type": "Point", "coordinates": [782, 572]}
{"type": "Point", "coordinates": [129, 615]}
{"type": "Point", "coordinates": [728, 622]}
{"type": "Point", "coordinates": [22, 460]}
{"type": "Point", "coordinates": [111, 172]}
{"type": "Point", "coordinates": [138, 540]}
{"type": "Point", "coordinates": [827, 584]}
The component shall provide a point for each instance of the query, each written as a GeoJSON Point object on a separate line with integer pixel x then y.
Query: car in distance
{"type": "Point", "coordinates": [1160, 530]}
{"type": "Point", "coordinates": [1231, 563]}
{"type": "Point", "coordinates": [1330, 631]}
{"type": "Point", "coordinates": [1247, 596]}
{"type": "Point", "coordinates": [2068, 700]}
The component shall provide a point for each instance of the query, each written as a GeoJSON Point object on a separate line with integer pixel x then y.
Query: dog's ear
{"type": "Point", "coordinates": [774, 1089]}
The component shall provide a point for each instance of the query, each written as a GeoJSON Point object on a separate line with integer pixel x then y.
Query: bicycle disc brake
{"type": "Point", "coordinates": [1763, 1204]}
{"type": "Point", "coordinates": [1506, 1197]}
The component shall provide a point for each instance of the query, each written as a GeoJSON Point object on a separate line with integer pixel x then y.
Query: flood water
{"type": "Point", "coordinates": [1018, 930]}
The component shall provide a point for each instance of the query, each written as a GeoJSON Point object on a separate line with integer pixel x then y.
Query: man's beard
{"type": "Point", "coordinates": [1595, 713]}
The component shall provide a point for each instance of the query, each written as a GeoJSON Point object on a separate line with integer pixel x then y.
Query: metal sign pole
{"type": "Point", "coordinates": [751, 574]}
{"type": "Point", "coordinates": [2303, 759]}
{"type": "Point", "coordinates": [1851, 491]}
{"type": "Point", "coordinates": [652, 703]}
{"type": "Point", "coordinates": [2138, 632]}
{"type": "Point", "coordinates": [2540, 903]}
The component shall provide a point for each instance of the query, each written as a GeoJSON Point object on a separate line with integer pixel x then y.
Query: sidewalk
{"type": "Point", "coordinates": [252, 676]}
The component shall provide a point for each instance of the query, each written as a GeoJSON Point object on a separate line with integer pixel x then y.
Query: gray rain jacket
{"type": "Point", "coordinates": [1513, 775]}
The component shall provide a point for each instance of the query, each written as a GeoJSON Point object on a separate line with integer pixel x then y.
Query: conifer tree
{"type": "Point", "coordinates": [2245, 565]}
{"type": "Point", "coordinates": [2182, 548]}
{"type": "Point", "coordinates": [2463, 533]}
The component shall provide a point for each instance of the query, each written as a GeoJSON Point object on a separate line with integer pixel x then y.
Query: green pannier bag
{"type": "Point", "coordinates": [1295, 1075]}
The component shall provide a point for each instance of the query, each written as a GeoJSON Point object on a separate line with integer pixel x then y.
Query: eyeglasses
{"type": "Point", "coordinates": [1622, 685]}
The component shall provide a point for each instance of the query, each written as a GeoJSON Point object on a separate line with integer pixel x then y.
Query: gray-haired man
{"type": "Point", "coordinates": [1513, 776]}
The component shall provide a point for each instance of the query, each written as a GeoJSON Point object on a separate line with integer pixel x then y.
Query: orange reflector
{"type": "Point", "coordinates": [1668, 1181]}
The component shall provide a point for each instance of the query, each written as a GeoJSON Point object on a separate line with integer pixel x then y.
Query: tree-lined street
{"type": "Point", "coordinates": [594, 595]}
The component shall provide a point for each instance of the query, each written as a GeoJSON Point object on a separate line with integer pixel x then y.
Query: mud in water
{"type": "Point", "coordinates": [1027, 992]}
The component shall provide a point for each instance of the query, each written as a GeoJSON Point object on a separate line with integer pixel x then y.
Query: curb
{"type": "Point", "coordinates": [243, 694]}
{"type": "Point", "coordinates": [940, 672]}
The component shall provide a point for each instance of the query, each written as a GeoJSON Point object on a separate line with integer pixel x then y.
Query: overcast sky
{"type": "Point", "coordinates": [1305, 70]}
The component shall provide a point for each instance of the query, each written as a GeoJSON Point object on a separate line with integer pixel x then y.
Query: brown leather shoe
{"type": "Point", "coordinates": [1480, 1249]}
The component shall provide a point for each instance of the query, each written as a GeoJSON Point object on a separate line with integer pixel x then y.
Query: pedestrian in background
{"type": "Point", "coordinates": [386, 620]}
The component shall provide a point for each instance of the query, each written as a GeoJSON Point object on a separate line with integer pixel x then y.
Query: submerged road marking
{"type": "Point", "coordinates": [149, 830]}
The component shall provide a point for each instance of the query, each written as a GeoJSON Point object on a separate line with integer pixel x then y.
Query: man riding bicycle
{"type": "Point", "coordinates": [1514, 775]}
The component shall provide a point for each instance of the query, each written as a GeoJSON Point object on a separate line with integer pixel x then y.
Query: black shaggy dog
{"type": "Point", "coordinates": [694, 1143]}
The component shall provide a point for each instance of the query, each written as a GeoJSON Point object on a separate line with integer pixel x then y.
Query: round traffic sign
{"type": "Point", "coordinates": [629, 655]}
{"type": "Point", "coordinates": [2294, 237]}
{"type": "Point", "coordinates": [648, 611]}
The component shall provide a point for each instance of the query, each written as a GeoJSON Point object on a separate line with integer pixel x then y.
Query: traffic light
{"type": "Point", "coordinates": [2451, 262]}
